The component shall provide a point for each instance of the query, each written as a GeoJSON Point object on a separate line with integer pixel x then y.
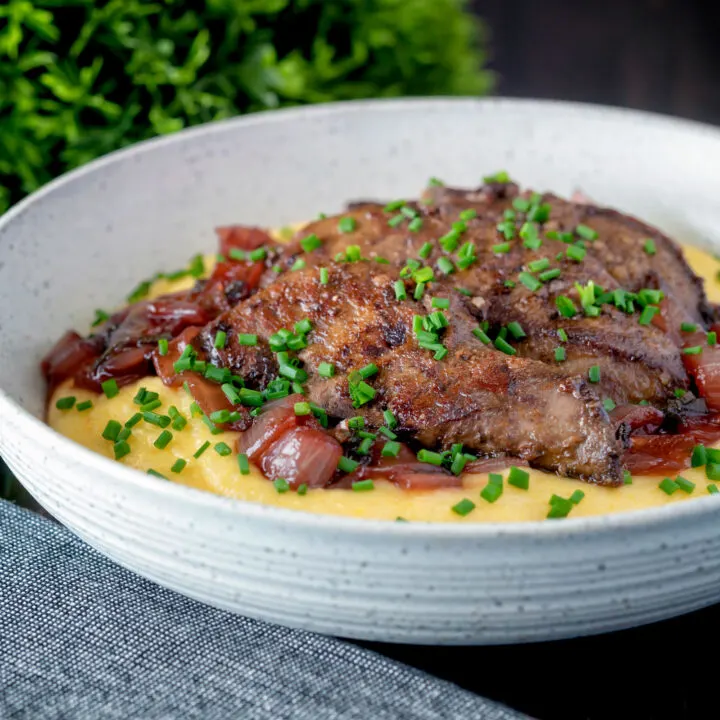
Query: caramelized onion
{"type": "Point", "coordinates": [638, 417]}
{"type": "Point", "coordinates": [659, 454]}
{"type": "Point", "coordinates": [704, 369]}
{"type": "Point", "coordinates": [242, 237]}
{"type": "Point", "coordinates": [303, 456]}
{"type": "Point", "coordinates": [70, 355]}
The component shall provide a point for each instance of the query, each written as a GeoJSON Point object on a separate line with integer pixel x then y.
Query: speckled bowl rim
{"type": "Point", "coordinates": [242, 508]}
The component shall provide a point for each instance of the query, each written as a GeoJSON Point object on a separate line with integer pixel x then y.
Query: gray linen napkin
{"type": "Point", "coordinates": [81, 637]}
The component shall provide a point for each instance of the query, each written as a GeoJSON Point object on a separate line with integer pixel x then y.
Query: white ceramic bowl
{"type": "Point", "coordinates": [83, 240]}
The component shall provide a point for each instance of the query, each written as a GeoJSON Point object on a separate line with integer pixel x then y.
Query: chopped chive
{"type": "Point", "coordinates": [303, 327]}
{"type": "Point", "coordinates": [627, 477]}
{"type": "Point", "coordinates": [363, 485]}
{"type": "Point", "coordinates": [464, 507]}
{"type": "Point", "coordinates": [501, 248]}
{"type": "Point", "coordinates": [400, 292]}
{"type": "Point", "coordinates": [121, 449]}
{"type": "Point", "coordinates": [685, 485]}
{"type": "Point", "coordinates": [481, 335]}
{"type": "Point", "coordinates": [364, 446]}
{"type": "Point", "coordinates": [649, 246]}
{"type": "Point", "coordinates": [387, 432]}
{"type": "Point", "coordinates": [110, 388]}
{"type": "Point", "coordinates": [163, 346]}
{"type": "Point", "coordinates": [468, 214]}
{"type": "Point", "coordinates": [574, 252]}
{"type": "Point", "coordinates": [458, 464]}
{"type": "Point", "coordinates": [100, 317]}
{"type": "Point", "coordinates": [423, 275]}
{"type": "Point", "coordinates": [576, 497]}
{"type": "Point", "coordinates": [491, 492]}
{"type": "Point", "coordinates": [688, 327]}
{"type": "Point", "coordinates": [299, 264]}
{"type": "Point", "coordinates": [220, 339]}
{"type": "Point", "coordinates": [585, 232]}
{"type": "Point", "coordinates": [152, 405]}
{"type": "Point", "coordinates": [712, 471]}
{"type": "Point", "coordinates": [139, 292]}
{"type": "Point", "coordinates": [428, 456]}
{"type": "Point", "coordinates": [609, 404]}
{"type": "Point", "coordinates": [559, 507]}
{"type": "Point", "coordinates": [201, 449]}
{"type": "Point", "coordinates": [257, 254]}
{"type": "Point", "coordinates": [549, 275]}
{"type": "Point", "coordinates": [712, 489]}
{"type": "Point", "coordinates": [281, 485]}
{"type": "Point", "coordinates": [396, 220]}
{"type": "Point", "coordinates": [419, 290]}
{"type": "Point", "coordinates": [356, 423]}
{"type": "Point", "coordinates": [538, 265]}
{"type": "Point", "coordinates": [326, 370]}
{"type": "Point", "coordinates": [220, 416]}
{"type": "Point", "coordinates": [302, 489]}
{"type": "Point", "coordinates": [425, 251]}
{"type": "Point", "coordinates": [222, 449]}
{"type": "Point", "coordinates": [698, 457]}
{"type": "Point", "coordinates": [310, 243]}
{"type": "Point", "coordinates": [409, 212]}
{"type": "Point", "coordinates": [391, 449]}
{"type": "Point", "coordinates": [247, 339]}
{"type": "Point", "coordinates": [347, 464]}
{"type": "Point", "coordinates": [302, 408]}
{"type": "Point", "coordinates": [163, 440]}
{"type": "Point", "coordinates": [594, 374]}
{"type": "Point", "coordinates": [529, 281]}
{"type": "Point", "coordinates": [178, 466]}
{"type": "Point", "coordinates": [112, 430]}
{"type": "Point", "coordinates": [161, 421]}
{"type": "Point", "coordinates": [368, 371]}
{"type": "Point", "coordinates": [65, 403]}
{"type": "Point", "coordinates": [695, 350]}
{"type": "Point", "coordinates": [82, 406]}
{"type": "Point", "coordinates": [712, 338]}
{"type": "Point", "coordinates": [441, 303]}
{"type": "Point", "coordinates": [560, 355]}
{"type": "Point", "coordinates": [519, 478]}
{"type": "Point", "coordinates": [668, 486]}
{"type": "Point", "coordinates": [516, 330]}
{"type": "Point", "coordinates": [134, 420]}
{"type": "Point", "coordinates": [503, 346]}
{"type": "Point", "coordinates": [324, 276]}
{"type": "Point", "coordinates": [562, 335]}
{"type": "Point", "coordinates": [243, 464]}
{"type": "Point", "coordinates": [415, 224]}
{"type": "Point", "coordinates": [648, 313]}
{"type": "Point", "coordinates": [501, 177]}
{"type": "Point", "coordinates": [347, 224]}
{"type": "Point", "coordinates": [155, 473]}
{"type": "Point", "coordinates": [565, 306]}
{"type": "Point", "coordinates": [445, 265]}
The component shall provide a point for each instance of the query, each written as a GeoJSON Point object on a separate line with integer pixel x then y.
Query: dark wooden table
{"type": "Point", "coordinates": [665, 671]}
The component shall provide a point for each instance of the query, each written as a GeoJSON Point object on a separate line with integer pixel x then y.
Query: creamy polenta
{"type": "Point", "coordinates": [216, 472]}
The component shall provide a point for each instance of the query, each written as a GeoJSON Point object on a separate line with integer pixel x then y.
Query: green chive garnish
{"type": "Point", "coordinates": [549, 275]}
{"type": "Point", "coordinates": [559, 507]}
{"type": "Point", "coordinates": [347, 224]}
{"type": "Point", "coordinates": [698, 457]}
{"type": "Point", "coordinates": [363, 485]}
{"type": "Point", "coordinates": [519, 478]}
{"type": "Point", "coordinates": [247, 339]}
{"type": "Point", "coordinates": [649, 247]}
{"type": "Point", "coordinates": [310, 243]}
{"type": "Point", "coordinates": [594, 374]}
{"type": "Point", "coordinates": [565, 306]}
{"type": "Point", "coordinates": [220, 339]}
{"type": "Point", "coordinates": [281, 484]}
{"type": "Point", "coordinates": [163, 440]}
{"type": "Point", "coordinates": [302, 408]}
{"type": "Point", "coordinates": [609, 404]}
{"type": "Point", "coordinates": [516, 330]}
{"type": "Point", "coordinates": [368, 371]}
{"type": "Point", "coordinates": [163, 346]}
{"type": "Point", "coordinates": [243, 464]}
{"type": "Point", "coordinates": [585, 232]}
{"type": "Point", "coordinates": [299, 264]}
{"type": "Point", "coordinates": [201, 449]}
{"type": "Point", "coordinates": [400, 292]}
{"type": "Point", "coordinates": [65, 403]}
{"type": "Point", "coordinates": [112, 430]}
{"type": "Point", "coordinates": [491, 492]}
{"type": "Point", "coordinates": [302, 489]}
{"type": "Point", "coordinates": [574, 252]}
{"type": "Point", "coordinates": [688, 327]}
{"type": "Point", "coordinates": [648, 313]}
{"type": "Point", "coordinates": [155, 473]}
{"type": "Point", "coordinates": [501, 248]}
{"type": "Point", "coordinates": [110, 388]}
{"type": "Point", "coordinates": [178, 466]}
{"type": "Point", "coordinates": [695, 350]}
{"type": "Point", "coordinates": [712, 489]}
{"type": "Point", "coordinates": [464, 507]}
{"type": "Point", "coordinates": [81, 407]}
{"type": "Point", "coordinates": [685, 485]}
{"type": "Point", "coordinates": [121, 449]}
{"type": "Point", "coordinates": [440, 303]}
{"type": "Point", "coordinates": [504, 346]}
{"type": "Point", "coordinates": [391, 449]}
{"type": "Point", "coordinates": [482, 336]}
{"type": "Point", "coordinates": [324, 276]}
{"type": "Point", "coordinates": [627, 477]}
{"type": "Point", "coordinates": [222, 449]}
{"type": "Point", "coordinates": [560, 355]}
{"type": "Point", "coordinates": [427, 456]}
{"type": "Point", "coordinates": [668, 486]}
{"type": "Point", "coordinates": [326, 370]}
{"type": "Point", "coordinates": [445, 265]}
{"type": "Point", "coordinates": [712, 471]}
{"type": "Point", "coordinates": [425, 251]}
{"type": "Point", "coordinates": [347, 464]}
{"type": "Point", "coordinates": [538, 265]}
{"type": "Point", "coordinates": [415, 224]}
{"type": "Point", "coordinates": [562, 335]}
{"type": "Point", "coordinates": [529, 281]}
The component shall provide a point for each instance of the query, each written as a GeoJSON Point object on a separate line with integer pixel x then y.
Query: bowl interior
{"type": "Point", "coordinates": [87, 239]}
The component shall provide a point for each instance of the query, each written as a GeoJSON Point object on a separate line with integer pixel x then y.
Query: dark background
{"type": "Point", "coordinates": [660, 55]}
